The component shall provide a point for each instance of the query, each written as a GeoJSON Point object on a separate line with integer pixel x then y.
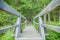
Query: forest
{"type": "Point", "coordinates": [30, 8]}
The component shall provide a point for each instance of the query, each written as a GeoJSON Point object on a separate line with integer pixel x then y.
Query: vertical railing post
{"type": "Point", "coordinates": [18, 29]}
{"type": "Point", "coordinates": [41, 28]}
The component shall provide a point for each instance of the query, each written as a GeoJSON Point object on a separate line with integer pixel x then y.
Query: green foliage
{"type": "Point", "coordinates": [36, 26]}
{"type": "Point", "coordinates": [52, 34]}
{"type": "Point", "coordinates": [29, 8]}
{"type": "Point", "coordinates": [23, 27]}
{"type": "Point", "coordinates": [54, 23]}
{"type": "Point", "coordinates": [6, 19]}
{"type": "Point", "coordinates": [6, 36]}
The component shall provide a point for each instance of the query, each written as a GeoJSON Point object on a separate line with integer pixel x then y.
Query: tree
{"type": "Point", "coordinates": [59, 13]}
{"type": "Point", "coordinates": [49, 17]}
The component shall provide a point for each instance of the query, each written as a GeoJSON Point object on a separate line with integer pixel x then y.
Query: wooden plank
{"type": "Point", "coordinates": [53, 4]}
{"type": "Point", "coordinates": [41, 28]}
{"type": "Point", "coordinates": [4, 6]}
{"type": "Point", "coordinates": [54, 28]}
{"type": "Point", "coordinates": [3, 30]}
{"type": "Point", "coordinates": [29, 33]}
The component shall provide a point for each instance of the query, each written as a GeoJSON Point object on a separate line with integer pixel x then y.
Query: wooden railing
{"type": "Point", "coordinates": [53, 4]}
{"type": "Point", "coordinates": [4, 6]}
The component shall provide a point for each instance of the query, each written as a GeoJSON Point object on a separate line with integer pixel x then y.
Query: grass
{"type": "Point", "coordinates": [6, 19]}
{"type": "Point", "coordinates": [6, 36]}
{"type": "Point", "coordinates": [54, 23]}
{"type": "Point", "coordinates": [52, 34]}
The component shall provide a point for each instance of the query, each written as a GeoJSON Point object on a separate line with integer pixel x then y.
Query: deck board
{"type": "Point", "coordinates": [29, 33]}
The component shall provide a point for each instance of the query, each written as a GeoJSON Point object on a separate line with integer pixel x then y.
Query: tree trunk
{"type": "Point", "coordinates": [54, 18]}
{"type": "Point", "coordinates": [17, 2]}
{"type": "Point", "coordinates": [45, 18]}
{"type": "Point", "coordinates": [59, 16]}
{"type": "Point", "coordinates": [49, 17]}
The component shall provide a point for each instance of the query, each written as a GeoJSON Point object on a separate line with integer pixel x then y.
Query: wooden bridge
{"type": "Point", "coordinates": [30, 33]}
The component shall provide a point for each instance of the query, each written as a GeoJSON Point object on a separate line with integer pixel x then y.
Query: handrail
{"type": "Point", "coordinates": [55, 28]}
{"type": "Point", "coordinates": [4, 6]}
{"type": "Point", "coordinates": [2, 30]}
{"type": "Point", "coordinates": [53, 4]}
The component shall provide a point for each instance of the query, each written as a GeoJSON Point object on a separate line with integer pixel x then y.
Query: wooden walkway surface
{"type": "Point", "coordinates": [30, 33]}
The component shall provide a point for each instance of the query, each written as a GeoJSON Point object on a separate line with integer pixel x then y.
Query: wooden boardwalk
{"type": "Point", "coordinates": [29, 33]}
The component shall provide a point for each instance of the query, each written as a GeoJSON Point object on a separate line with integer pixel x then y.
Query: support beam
{"type": "Point", "coordinates": [53, 4]}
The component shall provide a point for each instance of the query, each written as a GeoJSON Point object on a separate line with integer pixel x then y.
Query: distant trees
{"type": "Point", "coordinates": [49, 19]}
{"type": "Point", "coordinates": [53, 15]}
{"type": "Point", "coordinates": [30, 8]}
{"type": "Point", "coordinates": [59, 15]}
